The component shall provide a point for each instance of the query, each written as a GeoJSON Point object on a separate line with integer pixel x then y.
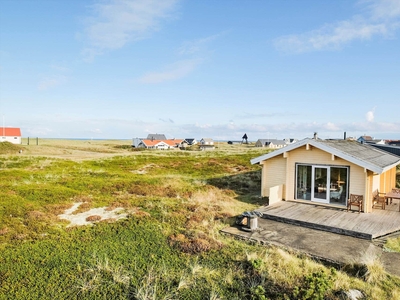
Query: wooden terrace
{"type": "Point", "coordinates": [362, 225]}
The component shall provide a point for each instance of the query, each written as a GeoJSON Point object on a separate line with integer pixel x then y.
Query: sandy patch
{"type": "Point", "coordinates": [82, 218]}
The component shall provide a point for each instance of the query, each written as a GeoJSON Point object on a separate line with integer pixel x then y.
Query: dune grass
{"type": "Point", "coordinates": [169, 247]}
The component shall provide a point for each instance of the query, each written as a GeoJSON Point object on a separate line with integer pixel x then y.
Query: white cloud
{"type": "Point", "coordinates": [331, 126]}
{"type": "Point", "coordinates": [51, 82]}
{"type": "Point", "coordinates": [380, 19]}
{"type": "Point", "coordinates": [196, 46]}
{"type": "Point", "coordinates": [383, 9]}
{"type": "Point", "coordinates": [369, 116]}
{"type": "Point", "coordinates": [96, 131]}
{"type": "Point", "coordinates": [172, 72]}
{"type": "Point", "coordinates": [117, 22]}
{"type": "Point", "coordinates": [195, 52]}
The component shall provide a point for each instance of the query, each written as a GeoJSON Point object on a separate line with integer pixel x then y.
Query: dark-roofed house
{"type": "Point", "coordinates": [10, 134]}
{"type": "Point", "coordinates": [156, 136]}
{"type": "Point", "coordinates": [190, 141]}
{"type": "Point", "coordinates": [326, 172]}
{"type": "Point", "coordinates": [271, 143]}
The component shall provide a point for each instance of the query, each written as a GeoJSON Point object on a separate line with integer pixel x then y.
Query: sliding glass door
{"type": "Point", "coordinates": [324, 184]}
{"type": "Point", "coordinates": [320, 192]}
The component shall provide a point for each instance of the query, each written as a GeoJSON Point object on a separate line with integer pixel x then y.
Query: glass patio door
{"type": "Point", "coordinates": [320, 183]}
{"type": "Point", "coordinates": [320, 187]}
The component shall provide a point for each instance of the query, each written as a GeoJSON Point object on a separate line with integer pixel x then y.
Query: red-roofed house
{"type": "Point", "coordinates": [10, 134]}
{"type": "Point", "coordinates": [160, 144]}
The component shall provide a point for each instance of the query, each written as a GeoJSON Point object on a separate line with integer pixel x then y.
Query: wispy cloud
{"type": "Point", "coordinates": [114, 23]}
{"type": "Point", "coordinates": [172, 72]}
{"type": "Point", "coordinates": [263, 115]}
{"type": "Point", "coordinates": [166, 120]}
{"type": "Point", "coordinates": [379, 18]}
{"type": "Point", "coordinates": [51, 82]}
{"type": "Point", "coordinates": [193, 52]}
{"type": "Point", "coordinates": [196, 46]}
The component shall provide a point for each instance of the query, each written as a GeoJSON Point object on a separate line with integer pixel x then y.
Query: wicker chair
{"type": "Point", "coordinates": [355, 200]}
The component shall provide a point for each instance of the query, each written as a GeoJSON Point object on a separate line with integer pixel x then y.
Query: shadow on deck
{"type": "Point", "coordinates": [361, 225]}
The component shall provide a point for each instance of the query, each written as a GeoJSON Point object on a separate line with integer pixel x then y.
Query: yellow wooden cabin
{"type": "Point", "coordinates": [326, 172]}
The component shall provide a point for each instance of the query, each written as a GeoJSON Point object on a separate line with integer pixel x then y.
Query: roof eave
{"type": "Point", "coordinates": [279, 151]}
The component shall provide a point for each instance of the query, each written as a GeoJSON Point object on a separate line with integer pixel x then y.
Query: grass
{"type": "Point", "coordinates": [169, 247]}
{"type": "Point", "coordinates": [393, 244]}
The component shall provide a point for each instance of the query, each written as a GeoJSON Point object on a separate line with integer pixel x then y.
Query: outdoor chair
{"type": "Point", "coordinates": [378, 199]}
{"type": "Point", "coordinates": [355, 200]}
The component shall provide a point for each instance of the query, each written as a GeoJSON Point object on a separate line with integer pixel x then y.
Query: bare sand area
{"type": "Point", "coordinates": [91, 216]}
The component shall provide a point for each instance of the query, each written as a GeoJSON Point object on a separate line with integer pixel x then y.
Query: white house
{"type": "Point", "coordinates": [206, 144]}
{"type": "Point", "coordinates": [271, 143]}
{"type": "Point", "coordinates": [10, 134]}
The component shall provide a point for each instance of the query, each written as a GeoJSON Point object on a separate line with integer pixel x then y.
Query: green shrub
{"type": "Point", "coordinates": [315, 286]}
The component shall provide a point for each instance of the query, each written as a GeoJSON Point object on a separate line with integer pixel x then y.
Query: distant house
{"type": "Point", "coordinates": [153, 144]}
{"type": "Point", "coordinates": [10, 134]}
{"type": "Point", "coordinates": [160, 144]}
{"type": "Point", "coordinates": [271, 143]}
{"type": "Point", "coordinates": [290, 141]}
{"type": "Point", "coordinates": [156, 136]}
{"type": "Point", "coordinates": [136, 142]}
{"type": "Point", "coordinates": [174, 143]}
{"type": "Point", "coordinates": [365, 139]}
{"type": "Point", "coordinates": [393, 142]}
{"type": "Point", "coordinates": [370, 140]}
{"type": "Point", "coordinates": [206, 144]}
{"type": "Point", "coordinates": [190, 141]}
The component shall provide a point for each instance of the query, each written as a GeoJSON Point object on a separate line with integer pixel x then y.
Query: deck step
{"type": "Point", "coordinates": [318, 226]}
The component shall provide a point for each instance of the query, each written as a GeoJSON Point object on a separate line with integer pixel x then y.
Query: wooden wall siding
{"type": "Point", "coordinates": [376, 182]}
{"type": "Point", "coordinates": [388, 180]}
{"type": "Point", "coordinates": [273, 174]}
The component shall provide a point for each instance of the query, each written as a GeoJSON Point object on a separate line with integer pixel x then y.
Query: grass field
{"type": "Point", "coordinates": [168, 247]}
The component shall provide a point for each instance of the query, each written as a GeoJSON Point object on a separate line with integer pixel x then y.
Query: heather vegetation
{"type": "Point", "coordinates": [169, 246]}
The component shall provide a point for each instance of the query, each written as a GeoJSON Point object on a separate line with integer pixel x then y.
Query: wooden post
{"type": "Point", "coordinates": [28, 140]}
{"type": "Point", "coordinates": [37, 141]}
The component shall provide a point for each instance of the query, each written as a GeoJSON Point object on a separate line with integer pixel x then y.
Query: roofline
{"type": "Point", "coordinates": [328, 149]}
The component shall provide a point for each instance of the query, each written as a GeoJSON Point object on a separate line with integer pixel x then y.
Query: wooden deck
{"type": "Point", "coordinates": [362, 225]}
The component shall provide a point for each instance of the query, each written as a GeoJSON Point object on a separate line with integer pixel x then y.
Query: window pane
{"type": "Point", "coordinates": [338, 185]}
{"type": "Point", "coordinates": [303, 189]}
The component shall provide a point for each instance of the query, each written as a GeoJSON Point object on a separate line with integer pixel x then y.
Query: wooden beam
{"type": "Point", "coordinates": [285, 154]}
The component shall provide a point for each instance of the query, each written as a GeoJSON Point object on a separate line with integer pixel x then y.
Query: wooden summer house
{"type": "Point", "coordinates": [326, 172]}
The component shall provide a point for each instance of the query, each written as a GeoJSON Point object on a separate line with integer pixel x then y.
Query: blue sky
{"type": "Point", "coordinates": [191, 69]}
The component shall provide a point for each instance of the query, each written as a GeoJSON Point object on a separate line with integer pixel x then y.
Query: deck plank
{"type": "Point", "coordinates": [363, 225]}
